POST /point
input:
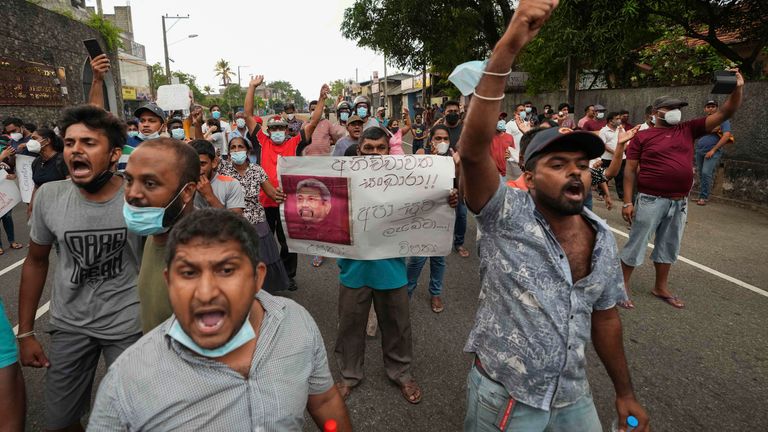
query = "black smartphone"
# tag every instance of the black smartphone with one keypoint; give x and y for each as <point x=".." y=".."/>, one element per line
<point x="725" y="82"/>
<point x="93" y="47"/>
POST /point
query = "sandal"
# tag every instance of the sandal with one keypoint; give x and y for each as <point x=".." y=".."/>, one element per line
<point x="463" y="252"/>
<point x="437" y="304"/>
<point x="626" y="304"/>
<point x="2" y="252"/>
<point x="15" y="245"/>
<point x="317" y="261"/>
<point x="344" y="390"/>
<point x="411" y="392"/>
<point x="701" y="202"/>
<point x="673" y="300"/>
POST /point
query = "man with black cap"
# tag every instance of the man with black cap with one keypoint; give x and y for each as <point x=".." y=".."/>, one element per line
<point x="708" y="152"/>
<point x="548" y="270"/>
<point x="660" y="162"/>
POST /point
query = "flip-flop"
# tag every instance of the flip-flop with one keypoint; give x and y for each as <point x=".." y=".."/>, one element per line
<point x="2" y="252"/>
<point x="411" y="392"/>
<point x="701" y="202"/>
<point x="673" y="301"/>
<point x="462" y="251"/>
<point x="15" y="245"/>
<point x="437" y="304"/>
<point x="317" y="261"/>
<point x="626" y="304"/>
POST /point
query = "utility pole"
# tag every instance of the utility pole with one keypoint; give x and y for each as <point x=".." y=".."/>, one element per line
<point x="385" y="82"/>
<point x="571" y="89"/>
<point x="238" y="74"/>
<point x="165" y="45"/>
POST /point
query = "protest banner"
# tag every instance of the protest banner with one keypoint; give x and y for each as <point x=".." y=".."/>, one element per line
<point x="24" y="175"/>
<point x="9" y="194"/>
<point x="367" y="207"/>
<point x="173" y="97"/>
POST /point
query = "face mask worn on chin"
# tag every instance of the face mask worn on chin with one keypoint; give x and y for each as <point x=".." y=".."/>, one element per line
<point x="240" y="123"/>
<point x="97" y="183"/>
<point x="34" y="146"/>
<point x="216" y="115"/>
<point x="243" y="336"/>
<point x="153" y="135"/>
<point x="501" y="125"/>
<point x="133" y="133"/>
<point x="344" y="116"/>
<point x="362" y="112"/>
<point x="178" y="134"/>
<point x="16" y="136"/>
<point x="146" y="221"/>
<point x="442" y="147"/>
<point x="600" y="115"/>
<point x="277" y="136"/>
<point x="673" y="117"/>
<point x="239" y="157"/>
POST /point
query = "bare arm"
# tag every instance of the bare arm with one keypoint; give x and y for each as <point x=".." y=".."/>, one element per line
<point x="406" y="121"/>
<point x="630" y="173"/>
<point x="100" y="66"/>
<point x="624" y="137"/>
<point x="479" y="125"/>
<point x="317" y="114"/>
<point x="729" y="106"/>
<point x="329" y="406"/>
<point x="723" y="141"/>
<point x="248" y="108"/>
<point x="607" y="340"/>
<point x="197" y="122"/>
<point x="276" y="195"/>
<point x="33" y="275"/>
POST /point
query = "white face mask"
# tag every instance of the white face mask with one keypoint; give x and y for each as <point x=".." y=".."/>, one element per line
<point x="673" y="117"/>
<point x="34" y="146"/>
<point x="442" y="147"/>
<point x="600" y="115"/>
<point x="240" y="123"/>
<point x="153" y="135"/>
<point x="16" y="136"/>
<point x="291" y="116"/>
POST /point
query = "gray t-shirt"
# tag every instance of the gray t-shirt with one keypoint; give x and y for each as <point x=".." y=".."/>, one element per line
<point x="342" y="145"/>
<point x="94" y="290"/>
<point x="227" y="189"/>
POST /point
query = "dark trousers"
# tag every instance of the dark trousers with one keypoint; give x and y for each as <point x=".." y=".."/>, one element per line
<point x="393" y="314"/>
<point x="8" y="227"/>
<point x="619" y="179"/>
<point x="290" y="260"/>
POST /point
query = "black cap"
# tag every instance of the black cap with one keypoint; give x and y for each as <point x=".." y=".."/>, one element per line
<point x="711" y="102"/>
<point x="669" y="102"/>
<point x="151" y="107"/>
<point x="175" y="120"/>
<point x="599" y="107"/>
<point x="567" y="139"/>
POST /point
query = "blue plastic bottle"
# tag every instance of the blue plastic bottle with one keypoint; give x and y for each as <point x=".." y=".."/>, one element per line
<point x="631" y="424"/>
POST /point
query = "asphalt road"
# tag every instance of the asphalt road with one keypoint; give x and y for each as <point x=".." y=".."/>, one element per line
<point x="704" y="368"/>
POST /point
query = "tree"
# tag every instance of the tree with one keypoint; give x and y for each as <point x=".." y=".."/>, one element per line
<point x="337" y="87"/>
<point x="284" y="93"/>
<point x="224" y="70"/>
<point x="208" y="90"/>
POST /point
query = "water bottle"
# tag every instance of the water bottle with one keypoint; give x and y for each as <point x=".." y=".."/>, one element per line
<point x="631" y="424"/>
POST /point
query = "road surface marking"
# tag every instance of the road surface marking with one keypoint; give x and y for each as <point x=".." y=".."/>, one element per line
<point x="707" y="269"/>
<point x="12" y="266"/>
<point x="40" y="312"/>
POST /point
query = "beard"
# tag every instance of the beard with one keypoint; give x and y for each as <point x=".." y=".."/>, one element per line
<point x="561" y="204"/>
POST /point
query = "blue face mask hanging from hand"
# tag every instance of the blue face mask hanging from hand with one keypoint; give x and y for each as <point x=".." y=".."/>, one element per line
<point x="467" y="75"/>
<point x="146" y="221"/>
<point x="243" y="336"/>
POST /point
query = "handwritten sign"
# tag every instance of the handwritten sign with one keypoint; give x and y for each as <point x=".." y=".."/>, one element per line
<point x="24" y="174"/>
<point x="367" y="207"/>
<point x="9" y="194"/>
<point x="173" y="97"/>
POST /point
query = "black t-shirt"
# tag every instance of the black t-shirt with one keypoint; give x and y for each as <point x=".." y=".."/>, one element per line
<point x="454" y="133"/>
<point x="47" y="171"/>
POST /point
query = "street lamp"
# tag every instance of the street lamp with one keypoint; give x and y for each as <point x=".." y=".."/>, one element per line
<point x="182" y="40"/>
<point x="238" y="74"/>
<point x="165" y="43"/>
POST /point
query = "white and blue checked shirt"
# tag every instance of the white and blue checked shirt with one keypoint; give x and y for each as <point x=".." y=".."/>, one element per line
<point x="157" y="384"/>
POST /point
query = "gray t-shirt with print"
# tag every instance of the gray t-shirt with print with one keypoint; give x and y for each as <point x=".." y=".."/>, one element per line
<point x="227" y="189"/>
<point x="94" y="290"/>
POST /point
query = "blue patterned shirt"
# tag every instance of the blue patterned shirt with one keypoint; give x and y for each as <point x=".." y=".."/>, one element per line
<point x="533" y="321"/>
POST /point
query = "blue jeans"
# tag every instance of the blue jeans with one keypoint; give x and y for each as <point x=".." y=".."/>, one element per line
<point x="436" y="273"/>
<point x="487" y="399"/>
<point x="8" y="226"/>
<point x="706" y="169"/>
<point x="460" y="226"/>
<point x="665" y="219"/>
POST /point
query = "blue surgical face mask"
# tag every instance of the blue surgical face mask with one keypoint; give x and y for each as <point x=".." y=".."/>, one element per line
<point x="239" y="157"/>
<point x="528" y="109"/>
<point x="216" y="115"/>
<point x="153" y="135"/>
<point x="467" y="75"/>
<point x="523" y="115"/>
<point x="501" y="125"/>
<point x="242" y="337"/>
<point x="240" y="123"/>
<point x="178" y="134"/>
<point x="146" y="221"/>
<point x="277" y="136"/>
<point x="343" y="116"/>
<point x="362" y="112"/>
<point x="133" y="133"/>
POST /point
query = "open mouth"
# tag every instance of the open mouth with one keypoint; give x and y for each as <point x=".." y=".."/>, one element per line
<point x="80" y="168"/>
<point x="574" y="191"/>
<point x="305" y="212"/>
<point x="210" y="321"/>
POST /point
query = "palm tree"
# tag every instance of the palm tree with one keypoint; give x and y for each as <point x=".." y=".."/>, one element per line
<point x="208" y="90"/>
<point x="224" y="70"/>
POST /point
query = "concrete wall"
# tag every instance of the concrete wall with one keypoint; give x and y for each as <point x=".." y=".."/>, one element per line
<point x="743" y="175"/>
<point x="56" y="41"/>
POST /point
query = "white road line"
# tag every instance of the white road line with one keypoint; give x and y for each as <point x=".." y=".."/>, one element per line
<point x="709" y="270"/>
<point x="40" y="312"/>
<point x="12" y="266"/>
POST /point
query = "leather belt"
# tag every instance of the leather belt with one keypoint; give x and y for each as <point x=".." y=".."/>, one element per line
<point x="479" y="367"/>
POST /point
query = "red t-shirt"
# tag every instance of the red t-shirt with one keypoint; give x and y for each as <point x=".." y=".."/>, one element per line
<point x="594" y="125"/>
<point x="665" y="156"/>
<point x="269" y="154"/>
<point x="501" y="142"/>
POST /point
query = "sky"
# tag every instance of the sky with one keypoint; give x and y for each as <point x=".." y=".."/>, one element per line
<point x="292" y="40"/>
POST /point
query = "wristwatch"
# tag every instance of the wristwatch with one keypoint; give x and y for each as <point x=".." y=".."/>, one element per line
<point x="626" y="205"/>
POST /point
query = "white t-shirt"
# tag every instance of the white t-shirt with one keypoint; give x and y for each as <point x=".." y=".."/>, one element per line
<point x="219" y="139"/>
<point x="610" y="138"/>
<point x="513" y="130"/>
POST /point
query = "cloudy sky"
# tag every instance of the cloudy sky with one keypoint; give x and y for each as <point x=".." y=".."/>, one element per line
<point x="297" y="40"/>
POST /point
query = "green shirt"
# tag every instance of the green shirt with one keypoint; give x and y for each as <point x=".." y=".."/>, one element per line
<point x="382" y="274"/>
<point x="153" y="292"/>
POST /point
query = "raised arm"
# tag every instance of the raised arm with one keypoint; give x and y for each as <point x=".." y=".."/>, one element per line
<point x="100" y="66"/>
<point x="317" y="114"/>
<point x="731" y="104"/>
<point x="250" y="123"/>
<point x="479" y="125"/>
<point x="406" y="122"/>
